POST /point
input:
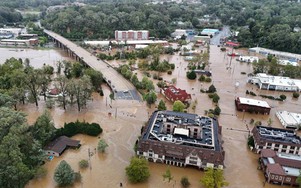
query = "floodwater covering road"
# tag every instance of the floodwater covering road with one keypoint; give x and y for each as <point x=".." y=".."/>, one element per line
<point x="123" y="127"/>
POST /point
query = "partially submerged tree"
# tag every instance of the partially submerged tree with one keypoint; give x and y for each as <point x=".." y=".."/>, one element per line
<point x="214" y="178"/>
<point x="161" y="105"/>
<point x="167" y="175"/>
<point x="138" y="170"/>
<point x="178" y="106"/>
<point x="63" y="174"/>
<point x="102" y="145"/>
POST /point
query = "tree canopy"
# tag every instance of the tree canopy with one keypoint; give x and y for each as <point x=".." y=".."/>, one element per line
<point x="178" y="106"/>
<point x="63" y="174"/>
<point x="138" y="170"/>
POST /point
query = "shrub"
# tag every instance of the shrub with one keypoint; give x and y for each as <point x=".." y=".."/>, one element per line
<point x="191" y="75"/>
<point x="185" y="182"/>
<point x="211" y="89"/>
<point x="282" y="97"/>
<point x="217" y="111"/>
<point x="223" y="49"/>
<point x="296" y="95"/>
<point x="172" y="66"/>
<point x="83" y="164"/>
<point x="243" y="73"/>
<point x="73" y="128"/>
<point x="202" y="78"/>
<point x="169" y="72"/>
<point x="252" y="93"/>
<point x="215" y="98"/>
<point x="247" y="92"/>
<point x="208" y="79"/>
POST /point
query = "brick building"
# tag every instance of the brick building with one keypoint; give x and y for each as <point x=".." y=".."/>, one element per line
<point x="252" y="105"/>
<point x="280" y="140"/>
<point x="131" y="35"/>
<point x="182" y="139"/>
<point x="280" y="168"/>
<point x="173" y="94"/>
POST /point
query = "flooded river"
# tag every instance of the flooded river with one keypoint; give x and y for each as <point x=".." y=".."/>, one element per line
<point x="123" y="127"/>
<point x="37" y="57"/>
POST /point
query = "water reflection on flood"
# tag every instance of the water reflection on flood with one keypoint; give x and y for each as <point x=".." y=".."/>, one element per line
<point x="123" y="127"/>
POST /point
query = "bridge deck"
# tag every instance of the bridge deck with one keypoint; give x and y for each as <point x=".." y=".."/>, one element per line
<point x="123" y="88"/>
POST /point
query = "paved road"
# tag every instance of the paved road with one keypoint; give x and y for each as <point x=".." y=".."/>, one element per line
<point x="223" y="33"/>
<point x="122" y="88"/>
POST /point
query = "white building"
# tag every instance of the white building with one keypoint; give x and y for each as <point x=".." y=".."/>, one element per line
<point x="279" y="83"/>
<point x="248" y="59"/>
<point x="210" y="32"/>
<point x="278" y="54"/>
<point x="131" y="42"/>
<point x="179" y="33"/>
<point x="288" y="62"/>
<point x="131" y="35"/>
<point x="289" y="119"/>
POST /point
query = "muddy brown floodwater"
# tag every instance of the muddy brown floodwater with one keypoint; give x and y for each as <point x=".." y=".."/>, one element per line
<point x="123" y="127"/>
<point x="37" y="57"/>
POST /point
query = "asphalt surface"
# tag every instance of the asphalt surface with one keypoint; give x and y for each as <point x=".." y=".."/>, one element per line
<point x="215" y="40"/>
<point x="122" y="88"/>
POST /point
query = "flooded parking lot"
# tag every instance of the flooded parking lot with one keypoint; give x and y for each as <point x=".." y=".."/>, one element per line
<point x="122" y="128"/>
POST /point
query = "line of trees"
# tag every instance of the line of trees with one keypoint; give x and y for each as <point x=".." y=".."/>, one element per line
<point x="101" y="20"/>
<point x="23" y="83"/>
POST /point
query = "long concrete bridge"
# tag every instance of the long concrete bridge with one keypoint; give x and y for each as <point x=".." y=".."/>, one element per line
<point x="122" y="88"/>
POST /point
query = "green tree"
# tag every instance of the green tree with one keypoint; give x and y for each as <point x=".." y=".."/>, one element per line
<point x="63" y="174"/>
<point x="77" y="70"/>
<point x="185" y="182"/>
<point x="33" y="79"/>
<point x="61" y="83"/>
<point x="178" y="106"/>
<point x="167" y="175"/>
<point x="79" y="91"/>
<point x="191" y="75"/>
<point x="96" y="78"/>
<point x="138" y="170"/>
<point x="211" y="89"/>
<point x="215" y="98"/>
<point x="214" y="178"/>
<point x="102" y="145"/>
<point x="161" y="105"/>
<point x="150" y="97"/>
<point x="43" y="130"/>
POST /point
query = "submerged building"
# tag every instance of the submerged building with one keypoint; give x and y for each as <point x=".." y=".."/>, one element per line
<point x="280" y="140"/>
<point x="252" y="105"/>
<point x="289" y="119"/>
<point x="280" y="168"/>
<point x="279" y="83"/>
<point x="182" y="139"/>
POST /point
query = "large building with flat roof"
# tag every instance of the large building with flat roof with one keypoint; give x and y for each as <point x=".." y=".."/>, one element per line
<point x="280" y="168"/>
<point x="280" y="140"/>
<point x="289" y="119"/>
<point x="252" y="105"/>
<point x="279" y="83"/>
<point x="182" y="139"/>
<point x="278" y="54"/>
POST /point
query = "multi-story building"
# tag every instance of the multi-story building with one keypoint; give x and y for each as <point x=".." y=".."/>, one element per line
<point x="289" y="119"/>
<point x="269" y="82"/>
<point x="280" y="168"/>
<point x="182" y="139"/>
<point x="173" y="94"/>
<point x="252" y="105"/>
<point x="280" y="140"/>
<point x="131" y="35"/>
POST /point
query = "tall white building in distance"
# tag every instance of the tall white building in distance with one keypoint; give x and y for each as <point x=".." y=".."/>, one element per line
<point x="131" y="35"/>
